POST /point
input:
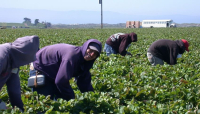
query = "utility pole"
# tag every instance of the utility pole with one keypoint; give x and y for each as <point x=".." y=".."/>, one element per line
<point x="100" y="2"/>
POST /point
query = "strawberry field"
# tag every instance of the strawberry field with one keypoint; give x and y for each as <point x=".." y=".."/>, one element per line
<point x="123" y="85"/>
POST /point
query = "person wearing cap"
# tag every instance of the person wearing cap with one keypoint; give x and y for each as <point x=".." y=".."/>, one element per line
<point x="61" y="62"/>
<point x="165" y="50"/>
<point x="118" y="43"/>
<point x="13" y="55"/>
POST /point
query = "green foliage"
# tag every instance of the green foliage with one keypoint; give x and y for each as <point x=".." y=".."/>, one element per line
<point x="125" y="85"/>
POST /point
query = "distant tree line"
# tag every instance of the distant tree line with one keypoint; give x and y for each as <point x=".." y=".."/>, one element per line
<point x="27" y="22"/>
<point x="91" y="25"/>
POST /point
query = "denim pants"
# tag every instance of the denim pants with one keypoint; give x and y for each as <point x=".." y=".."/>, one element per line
<point x="109" y="50"/>
<point x="48" y="89"/>
<point x="154" y="60"/>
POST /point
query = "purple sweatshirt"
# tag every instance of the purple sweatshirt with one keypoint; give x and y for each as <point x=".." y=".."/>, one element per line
<point x="13" y="55"/>
<point x="61" y="62"/>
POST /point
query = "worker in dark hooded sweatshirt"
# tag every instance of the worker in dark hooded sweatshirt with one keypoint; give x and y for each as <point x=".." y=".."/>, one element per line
<point x="118" y="43"/>
<point x="13" y="55"/>
<point x="61" y="62"/>
<point x="165" y="50"/>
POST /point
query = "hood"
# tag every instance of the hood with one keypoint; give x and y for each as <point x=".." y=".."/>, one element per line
<point x="133" y="37"/>
<point x="23" y="50"/>
<point x="86" y="44"/>
<point x="89" y="64"/>
<point x="181" y="46"/>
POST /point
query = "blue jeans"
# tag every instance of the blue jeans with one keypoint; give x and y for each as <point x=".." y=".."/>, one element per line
<point x="48" y="89"/>
<point x="109" y="50"/>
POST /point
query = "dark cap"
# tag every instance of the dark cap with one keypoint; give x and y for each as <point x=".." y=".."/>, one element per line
<point x="95" y="46"/>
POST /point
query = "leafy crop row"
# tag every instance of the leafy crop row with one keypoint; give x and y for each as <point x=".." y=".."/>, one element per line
<point x="124" y="85"/>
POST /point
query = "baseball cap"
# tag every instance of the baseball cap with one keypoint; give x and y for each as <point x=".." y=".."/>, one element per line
<point x="95" y="46"/>
<point x="186" y="44"/>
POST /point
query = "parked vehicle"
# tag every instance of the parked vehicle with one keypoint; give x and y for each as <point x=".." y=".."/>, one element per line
<point x="158" y="23"/>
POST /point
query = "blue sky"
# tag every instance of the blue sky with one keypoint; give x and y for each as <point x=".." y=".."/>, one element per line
<point x="130" y="7"/>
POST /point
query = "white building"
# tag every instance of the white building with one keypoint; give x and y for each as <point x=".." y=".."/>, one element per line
<point x="158" y="23"/>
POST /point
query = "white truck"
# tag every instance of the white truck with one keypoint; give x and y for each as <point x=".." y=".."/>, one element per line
<point x="158" y="23"/>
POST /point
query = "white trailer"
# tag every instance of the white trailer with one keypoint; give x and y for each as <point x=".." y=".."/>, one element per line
<point x="158" y="23"/>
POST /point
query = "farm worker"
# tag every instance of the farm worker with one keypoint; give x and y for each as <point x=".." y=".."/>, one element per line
<point x="13" y="55"/>
<point x="118" y="43"/>
<point x="60" y="62"/>
<point x="166" y="50"/>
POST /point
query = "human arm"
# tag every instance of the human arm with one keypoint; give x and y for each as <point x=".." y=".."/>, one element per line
<point x="123" y="46"/>
<point x="63" y="76"/>
<point x="128" y="53"/>
<point x="173" y="56"/>
<point x="84" y="82"/>
<point x="14" y="91"/>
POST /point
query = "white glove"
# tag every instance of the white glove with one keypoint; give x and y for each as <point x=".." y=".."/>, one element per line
<point x="3" y="106"/>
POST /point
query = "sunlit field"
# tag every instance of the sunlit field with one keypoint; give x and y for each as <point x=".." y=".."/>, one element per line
<point x="123" y="85"/>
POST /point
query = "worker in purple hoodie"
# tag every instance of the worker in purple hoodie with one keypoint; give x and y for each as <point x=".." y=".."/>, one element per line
<point x="164" y="50"/>
<point x="13" y="55"/>
<point x="119" y="43"/>
<point x="60" y="62"/>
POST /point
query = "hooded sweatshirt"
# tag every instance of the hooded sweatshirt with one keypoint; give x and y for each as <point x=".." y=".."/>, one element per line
<point x="61" y="62"/>
<point x="167" y="50"/>
<point x="119" y="42"/>
<point x="13" y="55"/>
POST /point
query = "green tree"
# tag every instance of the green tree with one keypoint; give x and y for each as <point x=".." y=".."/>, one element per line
<point x="27" y="21"/>
<point x="36" y="21"/>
